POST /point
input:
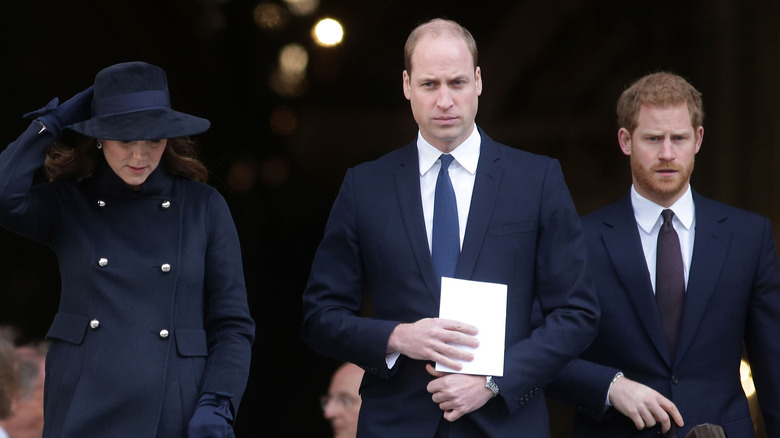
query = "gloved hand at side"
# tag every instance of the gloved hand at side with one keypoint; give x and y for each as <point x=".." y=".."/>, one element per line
<point x="212" y="417"/>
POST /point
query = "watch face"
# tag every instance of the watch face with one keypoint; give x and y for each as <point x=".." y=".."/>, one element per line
<point x="491" y="385"/>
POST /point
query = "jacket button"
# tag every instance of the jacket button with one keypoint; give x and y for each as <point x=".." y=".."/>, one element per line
<point x="103" y="262"/>
<point x="164" y="334"/>
<point x="94" y="324"/>
<point x="165" y="204"/>
<point x="675" y="380"/>
<point x="101" y="203"/>
<point x="165" y="268"/>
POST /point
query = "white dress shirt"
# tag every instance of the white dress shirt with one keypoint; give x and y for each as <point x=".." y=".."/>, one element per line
<point x="463" y="172"/>
<point x="649" y="221"/>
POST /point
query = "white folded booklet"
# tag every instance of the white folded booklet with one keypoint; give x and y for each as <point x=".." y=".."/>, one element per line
<point x="482" y="305"/>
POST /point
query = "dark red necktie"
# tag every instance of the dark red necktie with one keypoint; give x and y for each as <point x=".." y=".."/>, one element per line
<point x="669" y="281"/>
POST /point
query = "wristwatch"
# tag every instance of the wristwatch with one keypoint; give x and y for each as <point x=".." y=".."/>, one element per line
<point x="491" y="385"/>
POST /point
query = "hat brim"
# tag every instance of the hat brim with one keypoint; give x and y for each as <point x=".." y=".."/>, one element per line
<point x="152" y="124"/>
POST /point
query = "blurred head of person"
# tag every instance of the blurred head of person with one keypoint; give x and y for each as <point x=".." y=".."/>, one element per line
<point x="341" y="405"/>
<point x="26" y="420"/>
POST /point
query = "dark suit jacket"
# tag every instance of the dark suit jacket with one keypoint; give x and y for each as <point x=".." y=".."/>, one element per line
<point x="522" y="231"/>
<point x="163" y="318"/>
<point x="732" y="299"/>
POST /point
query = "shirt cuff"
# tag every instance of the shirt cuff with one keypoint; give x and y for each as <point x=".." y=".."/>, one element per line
<point x="391" y="358"/>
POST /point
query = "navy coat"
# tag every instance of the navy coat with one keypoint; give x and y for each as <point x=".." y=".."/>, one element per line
<point x="153" y="308"/>
<point x="522" y="231"/>
<point x="732" y="300"/>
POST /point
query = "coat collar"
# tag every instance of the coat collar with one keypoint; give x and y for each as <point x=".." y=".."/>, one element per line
<point x="621" y="240"/>
<point x="709" y="254"/>
<point x="107" y="182"/>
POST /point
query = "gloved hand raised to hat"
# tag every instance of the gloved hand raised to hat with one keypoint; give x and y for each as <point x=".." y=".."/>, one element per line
<point x="54" y="116"/>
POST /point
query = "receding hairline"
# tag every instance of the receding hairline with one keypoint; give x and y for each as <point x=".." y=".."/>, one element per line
<point x="438" y="28"/>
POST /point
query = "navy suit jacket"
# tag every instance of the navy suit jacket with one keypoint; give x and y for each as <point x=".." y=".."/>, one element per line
<point x="522" y="231"/>
<point x="732" y="299"/>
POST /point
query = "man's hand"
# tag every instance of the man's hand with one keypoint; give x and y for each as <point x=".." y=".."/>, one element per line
<point x="643" y="405"/>
<point x="434" y="339"/>
<point x="457" y="394"/>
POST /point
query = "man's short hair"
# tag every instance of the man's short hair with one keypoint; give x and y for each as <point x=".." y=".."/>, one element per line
<point x="436" y="28"/>
<point x="661" y="90"/>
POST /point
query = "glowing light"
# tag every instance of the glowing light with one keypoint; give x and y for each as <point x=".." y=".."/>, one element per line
<point x="283" y="121"/>
<point x="269" y="16"/>
<point x="242" y="175"/>
<point x="293" y="59"/>
<point x="275" y="171"/>
<point x="290" y="78"/>
<point x="328" y="32"/>
<point x="747" y="379"/>
<point x="287" y="84"/>
<point x="302" y="7"/>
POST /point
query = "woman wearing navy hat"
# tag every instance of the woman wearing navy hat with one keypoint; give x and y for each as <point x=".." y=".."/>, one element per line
<point x="153" y="334"/>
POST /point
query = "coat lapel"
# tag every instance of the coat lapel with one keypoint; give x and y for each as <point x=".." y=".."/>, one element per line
<point x="624" y="247"/>
<point x="709" y="253"/>
<point x="407" y="182"/>
<point x="483" y="199"/>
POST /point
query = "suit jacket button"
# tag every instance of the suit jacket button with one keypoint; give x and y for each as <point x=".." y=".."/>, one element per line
<point x="675" y="380"/>
<point x="165" y="268"/>
<point x="103" y="262"/>
<point x="101" y="203"/>
<point x="164" y="334"/>
<point x="165" y="205"/>
<point x="94" y="324"/>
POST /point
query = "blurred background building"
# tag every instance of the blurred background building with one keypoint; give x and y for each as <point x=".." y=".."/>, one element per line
<point x="292" y="109"/>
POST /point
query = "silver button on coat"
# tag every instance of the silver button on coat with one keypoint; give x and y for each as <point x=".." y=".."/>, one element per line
<point x="164" y="333"/>
<point x="103" y="261"/>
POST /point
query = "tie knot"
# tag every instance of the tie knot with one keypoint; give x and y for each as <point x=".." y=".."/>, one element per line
<point x="446" y="160"/>
<point x="667" y="215"/>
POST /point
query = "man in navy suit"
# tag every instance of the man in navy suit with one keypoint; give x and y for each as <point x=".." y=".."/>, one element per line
<point x="517" y="226"/>
<point x="632" y="381"/>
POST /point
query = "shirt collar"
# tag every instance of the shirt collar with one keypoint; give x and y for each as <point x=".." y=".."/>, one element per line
<point x="466" y="154"/>
<point x="647" y="212"/>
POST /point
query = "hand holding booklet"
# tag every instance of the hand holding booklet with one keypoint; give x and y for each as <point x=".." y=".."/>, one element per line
<point x="482" y="305"/>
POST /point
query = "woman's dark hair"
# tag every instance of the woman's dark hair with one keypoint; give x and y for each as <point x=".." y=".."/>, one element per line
<point x="79" y="161"/>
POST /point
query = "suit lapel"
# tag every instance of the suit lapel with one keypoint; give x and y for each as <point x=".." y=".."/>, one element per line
<point x="709" y="252"/>
<point x="407" y="181"/>
<point x="621" y="239"/>
<point x="483" y="199"/>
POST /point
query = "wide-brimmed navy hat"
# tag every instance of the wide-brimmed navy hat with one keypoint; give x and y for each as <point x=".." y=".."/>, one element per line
<point x="131" y="102"/>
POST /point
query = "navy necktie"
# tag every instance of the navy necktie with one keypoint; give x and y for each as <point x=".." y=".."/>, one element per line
<point x="669" y="281"/>
<point x="445" y="242"/>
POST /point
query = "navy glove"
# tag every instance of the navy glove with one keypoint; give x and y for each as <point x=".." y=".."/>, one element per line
<point x="54" y="116"/>
<point x="212" y="418"/>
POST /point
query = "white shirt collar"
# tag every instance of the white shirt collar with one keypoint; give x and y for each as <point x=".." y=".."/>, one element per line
<point x="466" y="154"/>
<point x="647" y="212"/>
